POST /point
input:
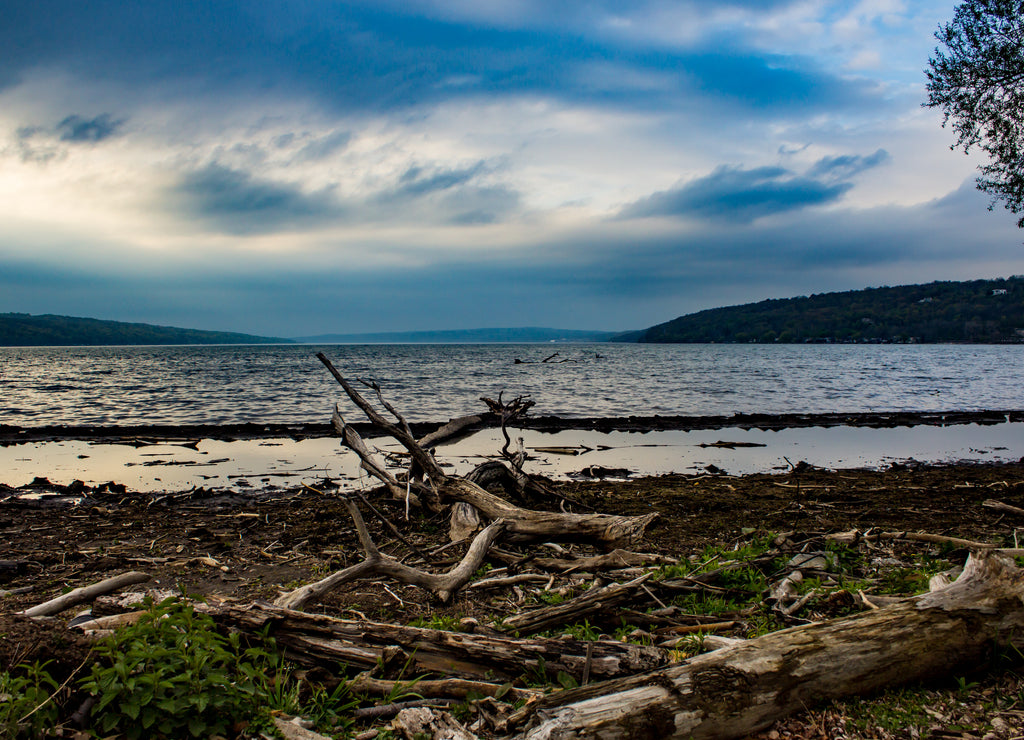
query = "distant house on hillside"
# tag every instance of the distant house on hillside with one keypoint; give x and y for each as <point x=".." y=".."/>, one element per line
<point x="999" y="291"/>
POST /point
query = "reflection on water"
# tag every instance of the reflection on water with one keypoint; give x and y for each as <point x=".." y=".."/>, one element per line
<point x="276" y="463"/>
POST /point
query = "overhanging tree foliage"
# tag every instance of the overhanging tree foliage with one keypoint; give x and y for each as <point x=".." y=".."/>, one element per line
<point x="977" y="78"/>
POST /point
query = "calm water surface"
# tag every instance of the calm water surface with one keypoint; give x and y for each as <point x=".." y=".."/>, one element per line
<point x="287" y="384"/>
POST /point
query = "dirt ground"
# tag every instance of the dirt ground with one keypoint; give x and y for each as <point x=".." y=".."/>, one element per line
<point x="243" y="547"/>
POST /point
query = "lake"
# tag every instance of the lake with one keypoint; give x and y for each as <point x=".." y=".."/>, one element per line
<point x="287" y="384"/>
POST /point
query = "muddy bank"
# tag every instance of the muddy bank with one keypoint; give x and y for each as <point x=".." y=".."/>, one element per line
<point x="244" y="546"/>
<point x="12" y="434"/>
<point x="260" y="542"/>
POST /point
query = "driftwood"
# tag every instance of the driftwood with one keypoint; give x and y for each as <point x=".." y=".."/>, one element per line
<point x="568" y="612"/>
<point x="86" y="593"/>
<point x="322" y="640"/>
<point x="854" y="536"/>
<point x="1000" y="506"/>
<point x="608" y="561"/>
<point x="605" y="530"/>
<point x="449" y="688"/>
<point x="291" y="730"/>
<point x="739" y="690"/>
<point x="422" y="722"/>
<point x="443" y="585"/>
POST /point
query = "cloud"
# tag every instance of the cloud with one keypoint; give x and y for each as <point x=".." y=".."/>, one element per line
<point x="240" y="203"/>
<point x="365" y="57"/>
<point x="324" y="147"/>
<point x="846" y="166"/>
<point x="447" y="195"/>
<point x="414" y="181"/>
<point x="77" y="129"/>
<point x="733" y="194"/>
<point x="43" y="144"/>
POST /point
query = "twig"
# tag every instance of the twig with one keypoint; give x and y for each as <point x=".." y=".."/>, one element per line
<point x="389" y="710"/>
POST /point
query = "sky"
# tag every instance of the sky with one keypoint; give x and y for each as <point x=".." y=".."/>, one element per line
<point x="299" y="167"/>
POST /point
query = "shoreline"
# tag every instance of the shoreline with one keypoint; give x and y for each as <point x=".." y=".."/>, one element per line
<point x="13" y="434"/>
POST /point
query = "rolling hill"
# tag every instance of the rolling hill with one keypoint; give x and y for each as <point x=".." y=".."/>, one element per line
<point x="25" y="330"/>
<point x="975" y="311"/>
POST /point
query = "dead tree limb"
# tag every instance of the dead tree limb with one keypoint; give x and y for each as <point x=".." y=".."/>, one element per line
<point x="738" y="690"/>
<point x="443" y="585"/>
<point x="605" y="530"/>
<point x="573" y="610"/>
<point x="447" y="688"/>
<point x="316" y="639"/>
<point x="86" y="593"/>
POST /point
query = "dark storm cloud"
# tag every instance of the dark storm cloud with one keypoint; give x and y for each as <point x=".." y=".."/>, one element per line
<point x="75" y="128"/>
<point x="360" y="57"/>
<point x="239" y="203"/>
<point x="737" y="195"/>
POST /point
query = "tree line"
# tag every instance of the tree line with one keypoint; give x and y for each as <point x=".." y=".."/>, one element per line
<point x="976" y="311"/>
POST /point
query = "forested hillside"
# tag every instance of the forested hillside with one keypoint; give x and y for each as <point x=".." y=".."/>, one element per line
<point x="979" y="311"/>
<point x="25" y="330"/>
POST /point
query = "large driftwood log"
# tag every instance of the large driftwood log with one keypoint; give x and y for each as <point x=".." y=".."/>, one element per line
<point x="328" y="641"/>
<point x="738" y="690"/>
<point x="605" y="530"/>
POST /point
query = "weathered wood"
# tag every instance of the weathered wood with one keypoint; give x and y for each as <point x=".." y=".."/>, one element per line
<point x="854" y="536"/>
<point x="1000" y="506"/>
<point x="739" y="690"/>
<point x="449" y="688"/>
<point x="573" y="610"/>
<point x="443" y="585"/>
<point x="613" y="560"/>
<point x="322" y="640"/>
<point x="86" y="593"/>
<point x="423" y="723"/>
<point x="605" y="530"/>
<point x="291" y="730"/>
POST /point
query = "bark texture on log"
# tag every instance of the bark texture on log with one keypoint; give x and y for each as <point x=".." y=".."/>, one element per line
<point x="319" y="639"/>
<point x="739" y="690"/>
<point x="605" y="530"/>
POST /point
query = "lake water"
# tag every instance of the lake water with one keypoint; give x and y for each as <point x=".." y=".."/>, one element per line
<point x="287" y="384"/>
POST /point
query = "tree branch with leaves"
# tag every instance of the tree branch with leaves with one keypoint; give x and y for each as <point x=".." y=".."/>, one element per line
<point x="976" y="77"/>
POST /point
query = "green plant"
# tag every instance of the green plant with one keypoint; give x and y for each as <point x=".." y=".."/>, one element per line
<point x="25" y="706"/>
<point x="963" y="686"/>
<point x="171" y="673"/>
<point x="582" y="631"/>
<point x="446" y="622"/>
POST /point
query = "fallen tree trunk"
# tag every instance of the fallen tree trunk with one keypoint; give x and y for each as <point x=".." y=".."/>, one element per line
<point x="739" y="690"/>
<point x="323" y="640"/>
